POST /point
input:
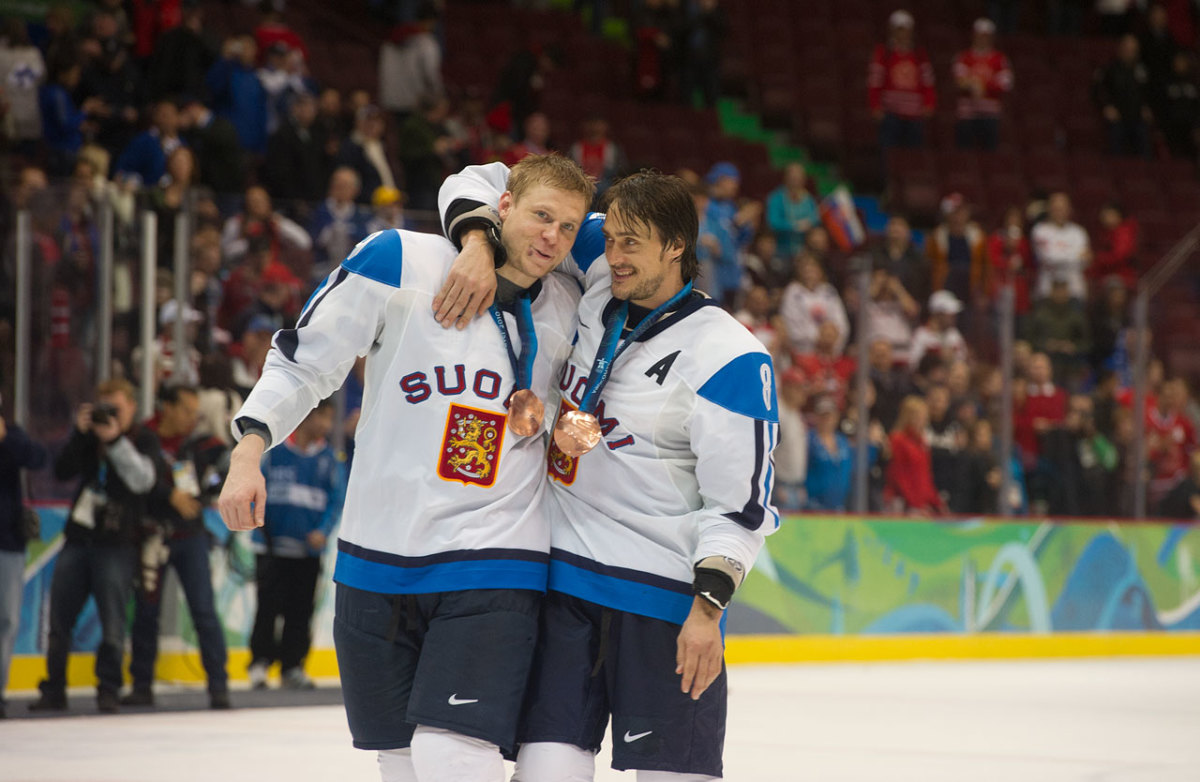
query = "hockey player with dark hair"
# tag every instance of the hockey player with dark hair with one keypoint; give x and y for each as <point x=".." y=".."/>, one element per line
<point x="442" y="553"/>
<point x="660" y="475"/>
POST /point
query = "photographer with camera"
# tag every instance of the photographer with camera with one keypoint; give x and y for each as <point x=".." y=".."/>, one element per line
<point x="117" y="461"/>
<point x="190" y="479"/>
<point x="18" y="451"/>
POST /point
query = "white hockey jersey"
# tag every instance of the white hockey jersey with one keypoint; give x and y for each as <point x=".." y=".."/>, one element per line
<point x="684" y="471"/>
<point x="442" y="495"/>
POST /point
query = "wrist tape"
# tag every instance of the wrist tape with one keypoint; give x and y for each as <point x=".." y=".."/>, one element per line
<point x="716" y="579"/>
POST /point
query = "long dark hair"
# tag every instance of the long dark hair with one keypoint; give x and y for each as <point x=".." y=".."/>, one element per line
<point x="663" y="202"/>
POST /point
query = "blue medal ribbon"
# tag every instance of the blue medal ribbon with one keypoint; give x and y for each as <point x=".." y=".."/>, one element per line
<point x="612" y="346"/>
<point x="522" y="365"/>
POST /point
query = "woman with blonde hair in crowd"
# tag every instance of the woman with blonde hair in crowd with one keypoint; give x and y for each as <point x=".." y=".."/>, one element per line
<point x="909" y="478"/>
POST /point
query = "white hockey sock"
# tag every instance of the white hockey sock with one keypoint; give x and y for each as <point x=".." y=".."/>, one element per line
<point x="396" y="765"/>
<point x="445" y="756"/>
<point x="554" y="762"/>
<point x="671" y="776"/>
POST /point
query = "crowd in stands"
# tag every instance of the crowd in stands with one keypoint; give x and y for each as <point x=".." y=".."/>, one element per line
<point x="930" y="320"/>
<point x="280" y="176"/>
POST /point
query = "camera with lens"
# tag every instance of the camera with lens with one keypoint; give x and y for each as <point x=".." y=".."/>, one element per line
<point x="103" y="412"/>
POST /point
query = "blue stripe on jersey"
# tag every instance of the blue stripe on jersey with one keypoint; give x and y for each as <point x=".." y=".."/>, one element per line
<point x="745" y="386"/>
<point x="589" y="242"/>
<point x="378" y="257"/>
<point x="670" y="604"/>
<point x="457" y="576"/>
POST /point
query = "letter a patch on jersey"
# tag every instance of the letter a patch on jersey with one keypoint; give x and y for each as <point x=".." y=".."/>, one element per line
<point x="559" y="466"/>
<point x="471" y="446"/>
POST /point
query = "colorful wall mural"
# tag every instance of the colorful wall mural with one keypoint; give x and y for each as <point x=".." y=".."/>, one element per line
<point x="873" y="576"/>
<point x="828" y="576"/>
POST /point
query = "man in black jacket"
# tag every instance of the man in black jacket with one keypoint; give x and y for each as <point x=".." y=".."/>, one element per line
<point x="118" y="464"/>
<point x="190" y="478"/>
<point x="298" y="166"/>
<point x="18" y="451"/>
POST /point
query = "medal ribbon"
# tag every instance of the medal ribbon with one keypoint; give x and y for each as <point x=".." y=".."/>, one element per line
<point x="522" y="365"/>
<point x="612" y="346"/>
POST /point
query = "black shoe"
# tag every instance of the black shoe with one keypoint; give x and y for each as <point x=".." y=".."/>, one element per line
<point x="138" y="697"/>
<point x="49" y="700"/>
<point x="219" y="701"/>
<point x="108" y="702"/>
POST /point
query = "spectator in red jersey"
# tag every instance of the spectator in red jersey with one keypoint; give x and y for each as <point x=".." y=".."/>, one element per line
<point x="1043" y="407"/>
<point x="272" y="30"/>
<point x="1122" y="91"/>
<point x="1116" y="247"/>
<point x="900" y="86"/>
<point x="1011" y="259"/>
<point x="809" y="301"/>
<point x="939" y="335"/>
<point x="597" y="154"/>
<point x="984" y="77"/>
<point x="826" y="370"/>
<point x="908" y="481"/>
<point x="1171" y="437"/>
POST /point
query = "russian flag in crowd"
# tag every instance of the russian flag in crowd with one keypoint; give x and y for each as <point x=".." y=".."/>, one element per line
<point x="841" y="219"/>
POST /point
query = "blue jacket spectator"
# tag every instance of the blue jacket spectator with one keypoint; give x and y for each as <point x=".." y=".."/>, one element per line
<point x="238" y="94"/>
<point x="307" y="485"/>
<point x="144" y="159"/>
<point x="62" y="119"/>
<point x="830" y="461"/>
<point x="338" y="223"/>
<point x="731" y="225"/>
<point x="791" y="211"/>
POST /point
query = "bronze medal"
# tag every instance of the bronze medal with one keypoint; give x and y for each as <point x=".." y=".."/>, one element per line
<point x="525" y="413"/>
<point x="577" y="433"/>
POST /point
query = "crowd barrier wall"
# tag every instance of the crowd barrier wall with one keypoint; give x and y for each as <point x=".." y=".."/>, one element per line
<point x="844" y="588"/>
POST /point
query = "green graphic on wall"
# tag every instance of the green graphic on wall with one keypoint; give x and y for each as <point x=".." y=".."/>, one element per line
<point x="856" y="576"/>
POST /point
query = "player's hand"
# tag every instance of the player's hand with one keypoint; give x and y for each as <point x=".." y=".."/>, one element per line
<point x="316" y="540"/>
<point x="470" y="287"/>
<point x="699" y="651"/>
<point x="244" y="498"/>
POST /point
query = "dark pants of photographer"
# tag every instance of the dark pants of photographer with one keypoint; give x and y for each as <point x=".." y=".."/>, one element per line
<point x="287" y="587"/>
<point x="189" y="558"/>
<point x="105" y="571"/>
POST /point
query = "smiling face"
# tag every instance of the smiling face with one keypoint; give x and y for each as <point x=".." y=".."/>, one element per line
<point x="538" y="230"/>
<point x="645" y="271"/>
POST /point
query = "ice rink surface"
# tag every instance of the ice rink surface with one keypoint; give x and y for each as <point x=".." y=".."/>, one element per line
<point x="1133" y="720"/>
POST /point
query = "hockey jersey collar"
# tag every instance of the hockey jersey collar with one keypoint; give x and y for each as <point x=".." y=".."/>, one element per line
<point x="695" y="301"/>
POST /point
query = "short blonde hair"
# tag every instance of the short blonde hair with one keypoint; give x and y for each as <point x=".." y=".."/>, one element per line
<point x="553" y="171"/>
<point x="910" y="408"/>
